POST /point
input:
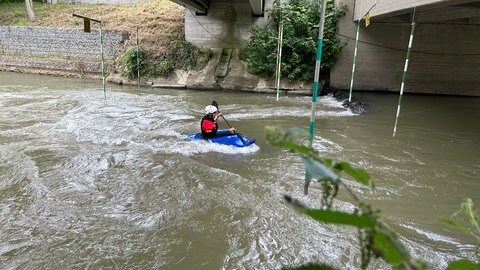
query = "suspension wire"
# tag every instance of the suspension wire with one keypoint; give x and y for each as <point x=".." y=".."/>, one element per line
<point x="403" y="50"/>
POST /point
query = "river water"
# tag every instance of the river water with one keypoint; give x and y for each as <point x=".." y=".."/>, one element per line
<point x="89" y="183"/>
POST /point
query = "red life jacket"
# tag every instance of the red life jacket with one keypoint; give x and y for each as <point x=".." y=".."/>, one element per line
<point x="208" y="127"/>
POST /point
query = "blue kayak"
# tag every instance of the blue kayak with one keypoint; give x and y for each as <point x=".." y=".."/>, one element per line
<point x="225" y="137"/>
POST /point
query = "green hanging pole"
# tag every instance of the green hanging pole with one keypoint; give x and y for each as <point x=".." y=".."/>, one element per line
<point x="367" y="23"/>
<point x="103" y="59"/>
<point x="354" y="61"/>
<point x="138" y="63"/>
<point x="317" y="70"/>
<point x="279" y="55"/>
<point x="315" y="85"/>
<point x="404" y="73"/>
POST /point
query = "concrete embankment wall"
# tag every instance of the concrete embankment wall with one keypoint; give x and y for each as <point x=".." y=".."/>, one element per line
<point x="57" y="50"/>
<point x="445" y="58"/>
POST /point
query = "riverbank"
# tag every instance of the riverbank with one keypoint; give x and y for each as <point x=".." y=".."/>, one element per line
<point x="160" y="24"/>
<point x="209" y="78"/>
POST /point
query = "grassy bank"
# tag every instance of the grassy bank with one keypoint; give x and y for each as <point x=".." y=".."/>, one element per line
<point x="160" y="22"/>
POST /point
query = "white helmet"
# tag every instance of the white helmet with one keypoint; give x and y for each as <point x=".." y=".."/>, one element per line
<point x="210" y="109"/>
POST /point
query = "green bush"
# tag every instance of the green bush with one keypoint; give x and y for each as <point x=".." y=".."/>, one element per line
<point x="162" y="68"/>
<point x="300" y="20"/>
<point x="131" y="63"/>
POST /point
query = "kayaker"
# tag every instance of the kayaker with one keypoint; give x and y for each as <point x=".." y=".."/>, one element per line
<point x="209" y="125"/>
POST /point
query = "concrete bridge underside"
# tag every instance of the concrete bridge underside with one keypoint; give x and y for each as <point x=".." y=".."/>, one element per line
<point x="202" y="7"/>
<point x="445" y="55"/>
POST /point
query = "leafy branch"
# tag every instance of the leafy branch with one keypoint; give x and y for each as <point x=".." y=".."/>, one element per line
<point x="376" y="238"/>
<point x="466" y="220"/>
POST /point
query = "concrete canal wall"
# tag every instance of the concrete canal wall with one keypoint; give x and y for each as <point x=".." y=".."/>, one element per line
<point x="57" y="50"/>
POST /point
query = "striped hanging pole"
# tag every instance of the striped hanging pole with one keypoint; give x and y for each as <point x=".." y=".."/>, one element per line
<point x="354" y="61"/>
<point x="138" y="63"/>
<point x="367" y="22"/>
<point x="317" y="70"/>
<point x="318" y="60"/>
<point x="102" y="59"/>
<point x="279" y="76"/>
<point x="276" y="64"/>
<point x="278" y="72"/>
<point x="404" y="73"/>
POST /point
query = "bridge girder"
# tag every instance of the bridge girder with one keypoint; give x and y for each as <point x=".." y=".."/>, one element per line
<point x="202" y="6"/>
<point x="199" y="6"/>
<point x="427" y="11"/>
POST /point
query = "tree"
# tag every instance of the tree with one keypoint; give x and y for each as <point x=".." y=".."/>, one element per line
<point x="30" y="13"/>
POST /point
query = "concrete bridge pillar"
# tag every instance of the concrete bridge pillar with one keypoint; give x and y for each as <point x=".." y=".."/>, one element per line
<point x="227" y="23"/>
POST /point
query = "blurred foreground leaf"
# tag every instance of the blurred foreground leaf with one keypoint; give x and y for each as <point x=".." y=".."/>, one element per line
<point x="463" y="264"/>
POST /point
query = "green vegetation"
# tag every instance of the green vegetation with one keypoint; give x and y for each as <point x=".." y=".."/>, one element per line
<point x="300" y="20"/>
<point x="226" y="55"/>
<point x="161" y="68"/>
<point x="467" y="220"/>
<point x="375" y="237"/>
<point x="179" y="55"/>
<point x="186" y="55"/>
<point x="132" y="64"/>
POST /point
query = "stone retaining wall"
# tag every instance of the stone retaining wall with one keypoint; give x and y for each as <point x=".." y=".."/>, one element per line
<point x="55" y="49"/>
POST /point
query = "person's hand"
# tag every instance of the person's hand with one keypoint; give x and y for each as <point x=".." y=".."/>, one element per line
<point x="219" y="114"/>
<point x="232" y="130"/>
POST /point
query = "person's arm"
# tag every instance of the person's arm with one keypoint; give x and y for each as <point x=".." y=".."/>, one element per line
<point x="232" y="129"/>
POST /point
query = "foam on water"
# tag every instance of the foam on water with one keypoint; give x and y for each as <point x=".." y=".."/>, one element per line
<point x="327" y="107"/>
<point x="195" y="147"/>
<point x="432" y="236"/>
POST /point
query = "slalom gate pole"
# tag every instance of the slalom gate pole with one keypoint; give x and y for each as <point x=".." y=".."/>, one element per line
<point x="354" y="61"/>
<point x="367" y="23"/>
<point x="280" y="59"/>
<point x="276" y="64"/>
<point x="318" y="60"/>
<point x="103" y="59"/>
<point x="138" y="64"/>
<point x="404" y="73"/>
<point x="278" y="72"/>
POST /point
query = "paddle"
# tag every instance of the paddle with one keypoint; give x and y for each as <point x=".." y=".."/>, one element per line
<point x="214" y="103"/>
